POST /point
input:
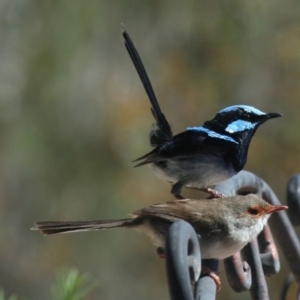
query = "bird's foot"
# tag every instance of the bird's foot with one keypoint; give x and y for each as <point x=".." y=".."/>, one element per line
<point x="213" y="192"/>
<point x="160" y="251"/>
<point x="214" y="275"/>
<point x="179" y="197"/>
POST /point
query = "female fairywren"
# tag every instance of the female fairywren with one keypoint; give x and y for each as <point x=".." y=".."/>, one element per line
<point x="224" y="225"/>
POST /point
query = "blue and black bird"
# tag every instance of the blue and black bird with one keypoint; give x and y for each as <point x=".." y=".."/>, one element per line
<point x="202" y="156"/>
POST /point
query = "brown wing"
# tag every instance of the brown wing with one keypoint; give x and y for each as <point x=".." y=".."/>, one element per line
<point x="174" y="210"/>
<point x="199" y="213"/>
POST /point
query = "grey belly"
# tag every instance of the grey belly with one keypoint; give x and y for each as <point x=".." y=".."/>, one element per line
<point x="193" y="172"/>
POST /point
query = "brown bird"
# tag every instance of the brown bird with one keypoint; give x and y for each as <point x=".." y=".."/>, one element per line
<point x="224" y="225"/>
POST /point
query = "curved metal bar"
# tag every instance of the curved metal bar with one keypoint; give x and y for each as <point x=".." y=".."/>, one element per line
<point x="286" y="286"/>
<point x="242" y="183"/>
<point x="269" y="254"/>
<point x="279" y="222"/>
<point x="183" y="260"/>
<point x="285" y="234"/>
<point x="259" y="288"/>
<point x="238" y="273"/>
<point x="293" y="199"/>
<point x="205" y="289"/>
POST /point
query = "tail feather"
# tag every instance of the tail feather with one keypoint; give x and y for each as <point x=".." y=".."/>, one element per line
<point x="56" y="227"/>
<point x="162" y="133"/>
<point x="148" y="158"/>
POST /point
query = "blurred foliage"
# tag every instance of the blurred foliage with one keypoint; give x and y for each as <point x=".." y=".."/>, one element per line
<point x="2" y="296"/>
<point x="73" y="115"/>
<point x="71" y="285"/>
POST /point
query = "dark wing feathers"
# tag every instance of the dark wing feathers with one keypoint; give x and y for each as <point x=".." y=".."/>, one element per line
<point x="184" y="145"/>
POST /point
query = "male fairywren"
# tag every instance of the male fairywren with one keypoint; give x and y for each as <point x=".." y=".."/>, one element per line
<point x="200" y="156"/>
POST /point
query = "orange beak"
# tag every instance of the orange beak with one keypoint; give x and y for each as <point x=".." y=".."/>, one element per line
<point x="275" y="208"/>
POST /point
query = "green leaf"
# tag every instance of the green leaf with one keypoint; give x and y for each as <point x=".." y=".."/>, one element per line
<point x="72" y="285"/>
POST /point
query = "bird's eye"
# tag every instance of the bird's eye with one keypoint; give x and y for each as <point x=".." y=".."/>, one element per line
<point x="246" y="115"/>
<point x="253" y="211"/>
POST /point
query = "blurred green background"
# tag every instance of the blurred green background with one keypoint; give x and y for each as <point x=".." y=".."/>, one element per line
<point x="73" y="115"/>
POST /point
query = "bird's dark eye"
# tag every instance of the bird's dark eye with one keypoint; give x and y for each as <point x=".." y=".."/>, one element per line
<point x="253" y="211"/>
<point x="245" y="115"/>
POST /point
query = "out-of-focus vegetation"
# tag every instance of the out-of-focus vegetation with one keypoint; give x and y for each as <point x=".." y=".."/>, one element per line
<point x="70" y="285"/>
<point x="73" y="115"/>
<point x="2" y="296"/>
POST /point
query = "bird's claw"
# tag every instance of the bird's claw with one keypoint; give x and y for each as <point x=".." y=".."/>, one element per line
<point x="212" y="274"/>
<point x="214" y="193"/>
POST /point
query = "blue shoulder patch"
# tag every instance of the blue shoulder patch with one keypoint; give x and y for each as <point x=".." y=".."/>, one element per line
<point x="213" y="134"/>
<point x="247" y="108"/>
<point x="239" y="125"/>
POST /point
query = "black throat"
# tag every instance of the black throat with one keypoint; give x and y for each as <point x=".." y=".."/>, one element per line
<point x="236" y="154"/>
<point x="239" y="153"/>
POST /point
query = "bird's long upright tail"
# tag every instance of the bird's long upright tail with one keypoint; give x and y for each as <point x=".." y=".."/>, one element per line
<point x="54" y="227"/>
<point x="162" y="133"/>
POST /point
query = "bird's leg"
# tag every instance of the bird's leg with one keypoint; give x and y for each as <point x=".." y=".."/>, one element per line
<point x="179" y="197"/>
<point x="176" y="190"/>
<point x="214" y="193"/>
<point x="212" y="274"/>
<point x="177" y="187"/>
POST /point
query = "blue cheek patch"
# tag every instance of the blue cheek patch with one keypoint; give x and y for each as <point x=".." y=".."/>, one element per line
<point x="240" y="125"/>
<point x="213" y="134"/>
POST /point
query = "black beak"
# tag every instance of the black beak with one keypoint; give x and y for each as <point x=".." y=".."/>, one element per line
<point x="273" y="115"/>
<point x="266" y="117"/>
